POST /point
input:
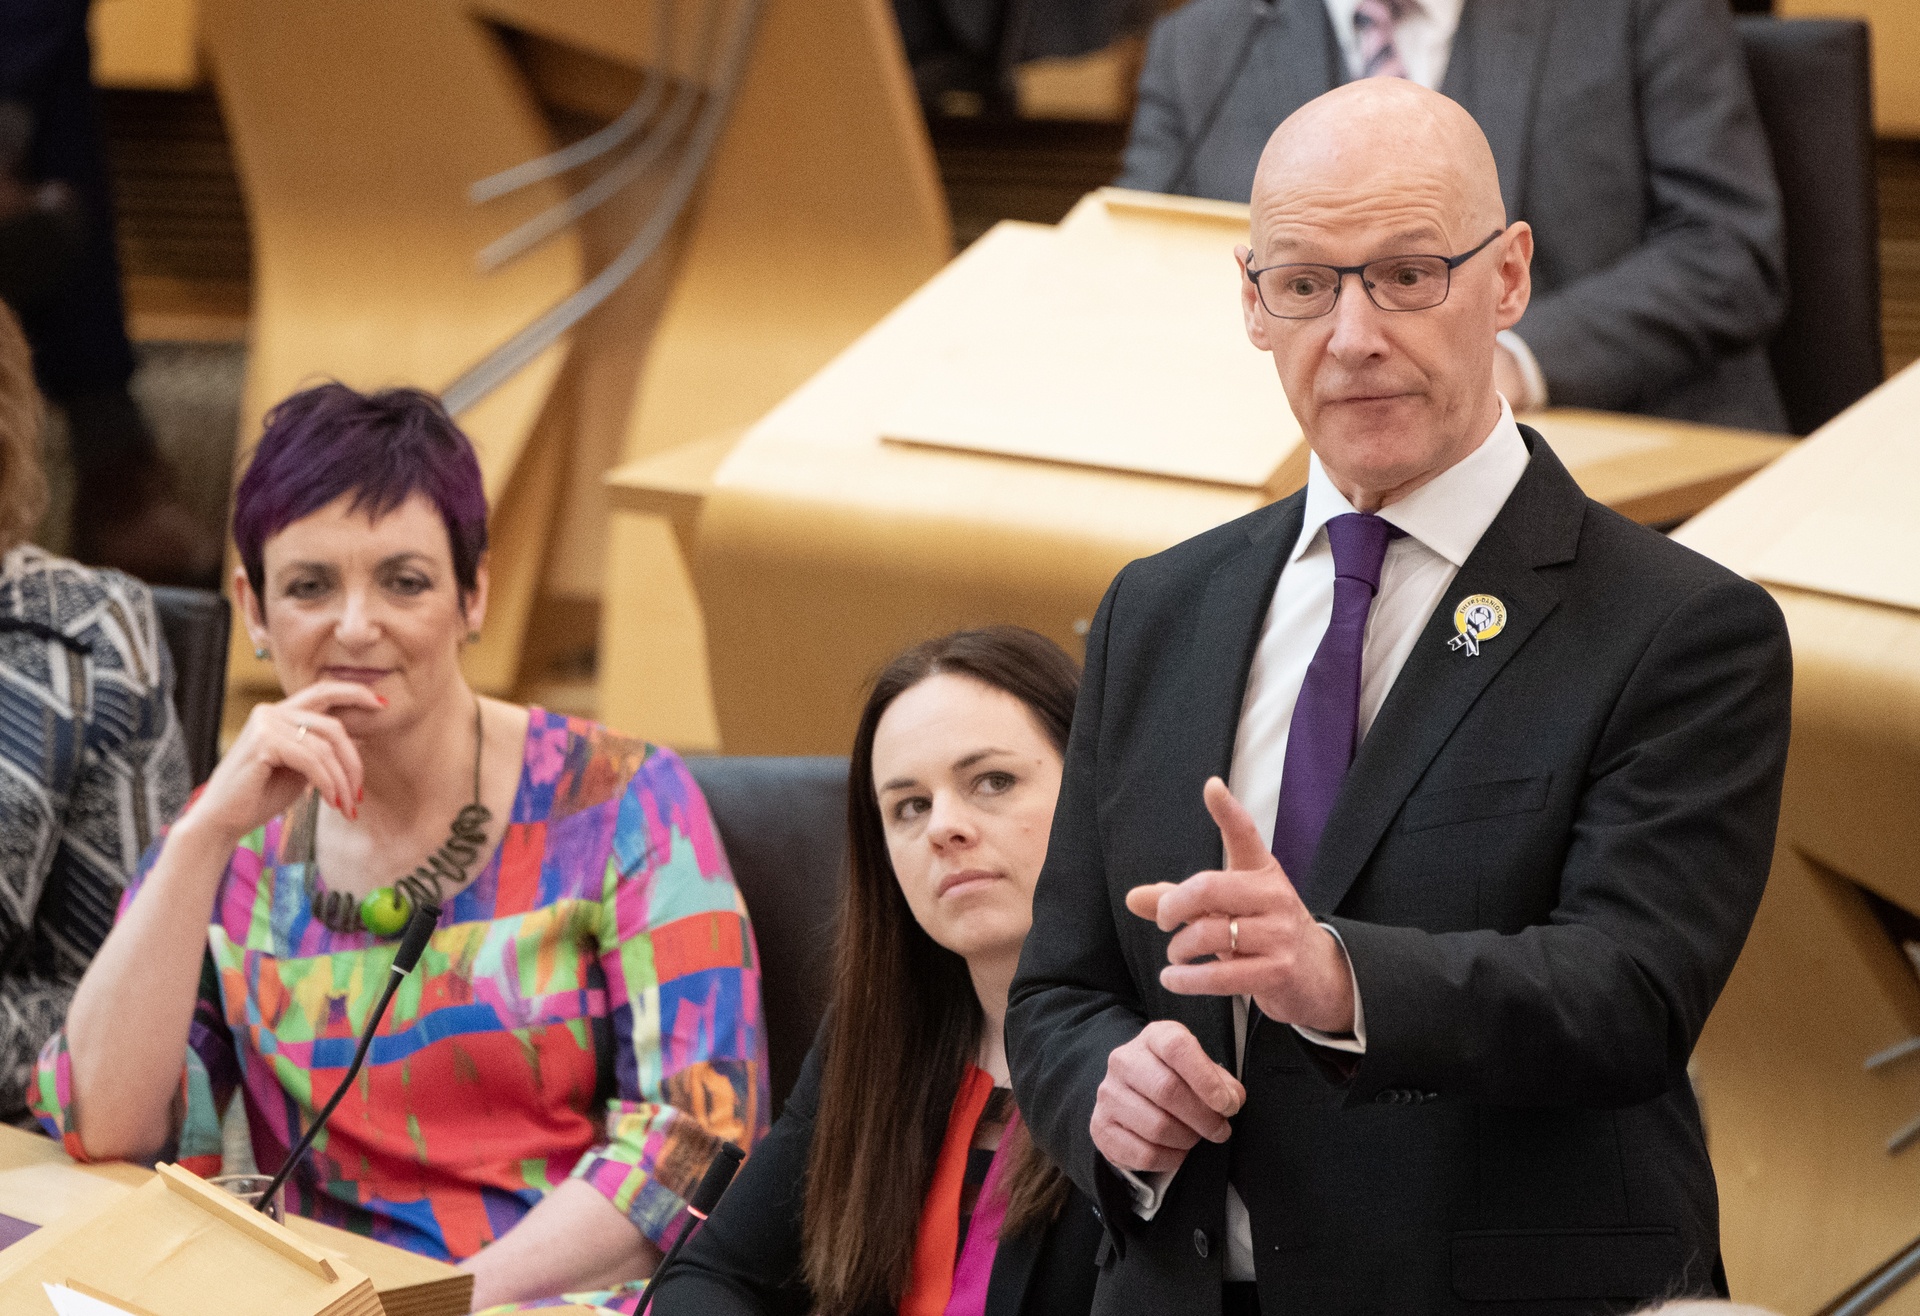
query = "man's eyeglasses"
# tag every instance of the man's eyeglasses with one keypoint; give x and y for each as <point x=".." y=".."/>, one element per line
<point x="1393" y="283"/>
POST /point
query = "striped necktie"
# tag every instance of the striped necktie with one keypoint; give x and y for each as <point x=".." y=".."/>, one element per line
<point x="1373" y="22"/>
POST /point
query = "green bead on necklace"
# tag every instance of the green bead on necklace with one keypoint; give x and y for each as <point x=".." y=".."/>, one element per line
<point x="385" y="912"/>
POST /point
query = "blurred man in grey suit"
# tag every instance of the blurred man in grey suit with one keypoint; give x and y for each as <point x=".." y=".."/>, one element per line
<point x="1625" y="134"/>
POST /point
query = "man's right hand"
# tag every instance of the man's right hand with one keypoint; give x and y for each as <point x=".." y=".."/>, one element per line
<point x="1162" y="1094"/>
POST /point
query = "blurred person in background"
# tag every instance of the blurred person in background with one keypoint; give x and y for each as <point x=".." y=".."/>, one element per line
<point x="963" y="52"/>
<point x="584" y="1026"/>
<point x="1625" y="135"/>
<point x="60" y="271"/>
<point x="92" y="761"/>
<point x="899" y="1176"/>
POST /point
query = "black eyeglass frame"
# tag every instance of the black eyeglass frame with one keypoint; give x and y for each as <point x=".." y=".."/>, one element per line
<point x="1340" y="273"/>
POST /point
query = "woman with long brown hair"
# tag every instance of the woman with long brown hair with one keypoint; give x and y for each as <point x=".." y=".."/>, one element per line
<point x="900" y="1178"/>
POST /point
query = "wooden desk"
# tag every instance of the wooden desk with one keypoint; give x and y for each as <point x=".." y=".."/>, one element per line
<point x="41" y="1184"/>
<point x="1816" y="1184"/>
<point x="1053" y="404"/>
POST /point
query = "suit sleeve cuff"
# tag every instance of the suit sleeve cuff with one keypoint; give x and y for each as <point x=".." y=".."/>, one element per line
<point x="1357" y="1041"/>
<point x="1149" y="1189"/>
<point x="1533" y="380"/>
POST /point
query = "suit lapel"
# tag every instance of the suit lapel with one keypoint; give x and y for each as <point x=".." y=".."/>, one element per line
<point x="1297" y="58"/>
<point x="1494" y="71"/>
<point x="1013" y="1263"/>
<point x="1226" y="632"/>
<point x="1539" y="526"/>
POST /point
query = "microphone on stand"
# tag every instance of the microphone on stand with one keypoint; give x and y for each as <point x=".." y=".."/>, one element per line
<point x="412" y="942"/>
<point x="706" y="1195"/>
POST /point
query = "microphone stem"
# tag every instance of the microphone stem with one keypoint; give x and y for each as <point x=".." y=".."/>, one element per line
<point x="265" y="1204"/>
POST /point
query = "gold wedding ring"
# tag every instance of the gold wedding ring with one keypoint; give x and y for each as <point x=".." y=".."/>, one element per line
<point x="1233" y="936"/>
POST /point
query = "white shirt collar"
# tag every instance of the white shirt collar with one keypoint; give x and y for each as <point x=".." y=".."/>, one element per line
<point x="1443" y="14"/>
<point x="1448" y="513"/>
<point x="1424" y="35"/>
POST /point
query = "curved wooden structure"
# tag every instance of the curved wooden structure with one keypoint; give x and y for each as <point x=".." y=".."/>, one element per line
<point x="1056" y="402"/>
<point x="822" y="211"/>
<point x="357" y="126"/>
<point x="1812" y="1193"/>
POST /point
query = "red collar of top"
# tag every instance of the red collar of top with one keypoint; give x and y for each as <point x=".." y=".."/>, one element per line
<point x="931" y="1285"/>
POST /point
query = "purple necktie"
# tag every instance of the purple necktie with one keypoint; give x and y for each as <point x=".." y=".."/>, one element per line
<point x="1326" y="719"/>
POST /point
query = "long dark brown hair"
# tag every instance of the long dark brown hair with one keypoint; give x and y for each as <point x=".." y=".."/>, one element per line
<point x="905" y="1023"/>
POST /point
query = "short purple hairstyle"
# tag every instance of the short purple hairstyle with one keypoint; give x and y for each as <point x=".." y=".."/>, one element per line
<point x="329" y="441"/>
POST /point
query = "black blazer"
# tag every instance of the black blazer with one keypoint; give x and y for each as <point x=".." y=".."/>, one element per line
<point x="1543" y="863"/>
<point x="745" y="1261"/>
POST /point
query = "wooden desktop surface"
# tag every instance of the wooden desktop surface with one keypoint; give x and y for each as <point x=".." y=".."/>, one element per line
<point x="1054" y="403"/>
<point x="1819" y="1170"/>
<point x="41" y="1184"/>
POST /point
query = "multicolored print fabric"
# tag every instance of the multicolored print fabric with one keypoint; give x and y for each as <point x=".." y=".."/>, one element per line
<point x="589" y="1006"/>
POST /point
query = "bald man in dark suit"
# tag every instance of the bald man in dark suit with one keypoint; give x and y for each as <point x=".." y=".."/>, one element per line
<point x="1410" y="826"/>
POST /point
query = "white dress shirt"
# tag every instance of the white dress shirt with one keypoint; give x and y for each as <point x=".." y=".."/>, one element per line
<point x="1424" y="38"/>
<point x="1443" y="520"/>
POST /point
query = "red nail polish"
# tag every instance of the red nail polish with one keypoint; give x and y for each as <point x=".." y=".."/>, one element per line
<point x="382" y="699"/>
<point x="361" y="795"/>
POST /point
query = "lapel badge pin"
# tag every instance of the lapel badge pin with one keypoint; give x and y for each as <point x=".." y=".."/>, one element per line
<point x="1477" y="617"/>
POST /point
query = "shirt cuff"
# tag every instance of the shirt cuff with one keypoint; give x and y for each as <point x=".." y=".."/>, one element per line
<point x="1355" y="1042"/>
<point x="1532" y="380"/>
<point x="1149" y="1189"/>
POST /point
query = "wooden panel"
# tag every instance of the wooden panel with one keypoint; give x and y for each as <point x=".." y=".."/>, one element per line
<point x="145" y="43"/>
<point x="823" y="548"/>
<point x="41" y="1184"/>
<point x="619" y="30"/>
<point x="1811" y="1195"/>
<point x="1110" y="311"/>
<point x="822" y="209"/>
<point x="1896" y="54"/>
<point x="357" y="126"/>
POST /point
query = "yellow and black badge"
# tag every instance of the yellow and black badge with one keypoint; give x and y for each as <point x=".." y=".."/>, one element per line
<point x="1477" y="617"/>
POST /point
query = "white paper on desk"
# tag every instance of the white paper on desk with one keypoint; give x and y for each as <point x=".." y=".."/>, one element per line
<point x="68" y="1302"/>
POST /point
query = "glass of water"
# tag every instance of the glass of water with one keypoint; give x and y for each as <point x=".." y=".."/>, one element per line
<point x="249" y="1188"/>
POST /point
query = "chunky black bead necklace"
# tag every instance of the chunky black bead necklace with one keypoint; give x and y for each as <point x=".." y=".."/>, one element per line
<point x="385" y="912"/>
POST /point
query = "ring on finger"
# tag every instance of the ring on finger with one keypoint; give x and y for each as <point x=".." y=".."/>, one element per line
<point x="1233" y="936"/>
<point x="301" y="734"/>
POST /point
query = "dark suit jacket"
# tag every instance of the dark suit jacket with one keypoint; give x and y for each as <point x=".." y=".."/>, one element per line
<point x="1543" y="863"/>
<point x="746" y="1260"/>
<point x="1626" y="135"/>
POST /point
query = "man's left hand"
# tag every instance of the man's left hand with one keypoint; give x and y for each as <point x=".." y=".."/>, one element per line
<point x="1291" y="966"/>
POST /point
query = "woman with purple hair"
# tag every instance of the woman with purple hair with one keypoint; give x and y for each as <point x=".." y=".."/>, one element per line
<point x="584" y="1026"/>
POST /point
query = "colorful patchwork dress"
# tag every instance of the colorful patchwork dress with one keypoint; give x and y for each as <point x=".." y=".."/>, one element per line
<point x="589" y="1006"/>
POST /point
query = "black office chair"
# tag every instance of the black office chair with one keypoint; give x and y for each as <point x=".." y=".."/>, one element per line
<point x="1814" y="87"/>
<point x="195" y="623"/>
<point x="784" y="824"/>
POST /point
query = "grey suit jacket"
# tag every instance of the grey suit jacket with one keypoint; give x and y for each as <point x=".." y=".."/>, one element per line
<point x="1626" y="135"/>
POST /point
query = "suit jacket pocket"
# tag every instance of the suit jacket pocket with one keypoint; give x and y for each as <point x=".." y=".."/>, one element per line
<point x="1559" y="1265"/>
<point x="1486" y="799"/>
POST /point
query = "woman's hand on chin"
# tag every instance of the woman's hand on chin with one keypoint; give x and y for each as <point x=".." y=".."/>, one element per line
<point x="283" y="748"/>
